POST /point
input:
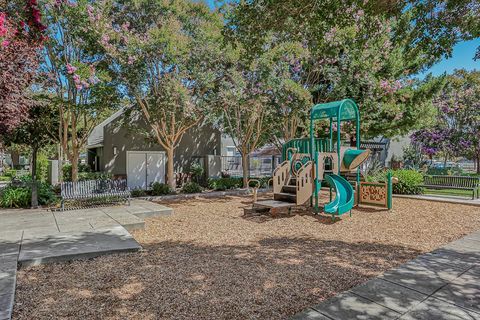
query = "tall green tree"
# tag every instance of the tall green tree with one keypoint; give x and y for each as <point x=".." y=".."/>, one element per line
<point x="165" y="54"/>
<point x="366" y="50"/>
<point x="36" y="133"/>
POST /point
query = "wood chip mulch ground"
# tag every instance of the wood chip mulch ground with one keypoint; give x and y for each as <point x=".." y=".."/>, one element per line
<point x="209" y="261"/>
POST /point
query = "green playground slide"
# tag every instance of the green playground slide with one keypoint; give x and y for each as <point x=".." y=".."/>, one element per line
<point x="344" y="198"/>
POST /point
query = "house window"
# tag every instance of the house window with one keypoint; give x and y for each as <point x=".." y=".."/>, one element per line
<point x="231" y="151"/>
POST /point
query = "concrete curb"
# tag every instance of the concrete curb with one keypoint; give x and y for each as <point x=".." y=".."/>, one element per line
<point x="474" y="203"/>
<point x="213" y="194"/>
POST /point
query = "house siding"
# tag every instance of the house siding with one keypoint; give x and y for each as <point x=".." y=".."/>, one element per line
<point x="197" y="141"/>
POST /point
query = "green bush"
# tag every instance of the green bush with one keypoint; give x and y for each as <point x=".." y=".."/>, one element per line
<point x="222" y="184"/>
<point x="42" y="167"/>
<point x="10" y="173"/>
<point x="82" y="176"/>
<point x="409" y="182"/>
<point x="5" y="178"/>
<point x="160" y="189"/>
<point x="20" y="196"/>
<point x="15" y="197"/>
<point x="451" y="171"/>
<point x="83" y="170"/>
<point x="191" y="187"/>
<point x="138" y="193"/>
<point x="196" y="170"/>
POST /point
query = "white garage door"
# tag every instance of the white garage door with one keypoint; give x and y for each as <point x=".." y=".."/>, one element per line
<point x="144" y="168"/>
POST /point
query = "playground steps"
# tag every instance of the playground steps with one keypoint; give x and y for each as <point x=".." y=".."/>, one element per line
<point x="268" y="206"/>
<point x="288" y="193"/>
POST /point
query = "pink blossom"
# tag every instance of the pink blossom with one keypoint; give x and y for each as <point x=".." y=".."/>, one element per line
<point x="71" y="69"/>
<point x="131" y="60"/>
<point x="3" y="19"/>
<point x="5" y="43"/>
<point x="125" y="26"/>
<point x="78" y="86"/>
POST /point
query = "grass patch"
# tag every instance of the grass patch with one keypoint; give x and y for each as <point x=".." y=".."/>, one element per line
<point x="451" y="192"/>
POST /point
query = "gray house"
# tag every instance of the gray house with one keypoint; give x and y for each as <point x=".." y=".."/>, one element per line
<point x="114" y="148"/>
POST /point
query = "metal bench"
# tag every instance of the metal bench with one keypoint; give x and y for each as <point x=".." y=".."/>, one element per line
<point x="106" y="190"/>
<point x="453" y="182"/>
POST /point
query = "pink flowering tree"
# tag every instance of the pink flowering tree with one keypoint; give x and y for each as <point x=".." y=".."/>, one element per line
<point x="164" y="55"/>
<point x="358" y="49"/>
<point x="79" y="81"/>
<point x="456" y="132"/>
<point x="21" y="36"/>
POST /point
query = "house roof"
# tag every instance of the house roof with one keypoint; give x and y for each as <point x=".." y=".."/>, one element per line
<point x="95" y="139"/>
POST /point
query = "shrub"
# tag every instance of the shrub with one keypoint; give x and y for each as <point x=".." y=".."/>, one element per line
<point x="94" y="176"/>
<point x="409" y="182"/>
<point x="222" y="184"/>
<point x="15" y="197"/>
<point x="451" y="171"/>
<point x="42" y="167"/>
<point x="196" y="170"/>
<point x="159" y="189"/>
<point x="191" y="187"/>
<point x="5" y="178"/>
<point x="82" y="170"/>
<point x="138" y="193"/>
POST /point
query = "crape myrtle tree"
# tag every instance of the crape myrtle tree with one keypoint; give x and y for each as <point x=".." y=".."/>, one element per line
<point x="289" y="98"/>
<point x="79" y="83"/>
<point x="365" y="50"/>
<point x="457" y="128"/>
<point x="260" y="100"/>
<point x="21" y="36"/>
<point x="165" y="54"/>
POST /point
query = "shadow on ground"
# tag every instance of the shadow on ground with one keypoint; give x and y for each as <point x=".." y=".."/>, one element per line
<point x="271" y="279"/>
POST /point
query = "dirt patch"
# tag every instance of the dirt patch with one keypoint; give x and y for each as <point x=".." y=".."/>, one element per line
<point x="208" y="261"/>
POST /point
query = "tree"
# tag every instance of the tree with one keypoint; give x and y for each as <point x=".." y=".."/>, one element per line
<point x="84" y="92"/>
<point x="20" y="39"/>
<point x="363" y="50"/>
<point x="164" y="53"/>
<point x="457" y="128"/>
<point x="259" y="98"/>
<point x="290" y="99"/>
<point x="35" y="133"/>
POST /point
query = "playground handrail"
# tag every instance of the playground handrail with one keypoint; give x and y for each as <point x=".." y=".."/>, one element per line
<point x="280" y="176"/>
<point x="304" y="183"/>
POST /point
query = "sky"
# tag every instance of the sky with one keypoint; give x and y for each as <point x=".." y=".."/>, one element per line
<point x="462" y="56"/>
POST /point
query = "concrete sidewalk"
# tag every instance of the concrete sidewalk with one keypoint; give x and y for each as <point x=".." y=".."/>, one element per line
<point x="32" y="237"/>
<point x="443" y="284"/>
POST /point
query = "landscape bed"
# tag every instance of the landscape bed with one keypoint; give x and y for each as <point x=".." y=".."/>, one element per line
<point x="209" y="261"/>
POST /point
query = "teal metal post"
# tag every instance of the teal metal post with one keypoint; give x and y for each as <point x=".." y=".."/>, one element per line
<point x="314" y="156"/>
<point x="389" y="190"/>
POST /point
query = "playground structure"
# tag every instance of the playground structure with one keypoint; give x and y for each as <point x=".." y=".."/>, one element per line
<point x="312" y="163"/>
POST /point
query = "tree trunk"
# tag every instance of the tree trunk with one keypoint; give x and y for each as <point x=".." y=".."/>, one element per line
<point x="245" y="168"/>
<point x="170" y="168"/>
<point x="15" y="159"/>
<point x="478" y="164"/>
<point x="34" y="200"/>
<point x="74" y="166"/>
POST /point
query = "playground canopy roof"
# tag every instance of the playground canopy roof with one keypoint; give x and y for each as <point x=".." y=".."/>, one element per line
<point x="347" y="109"/>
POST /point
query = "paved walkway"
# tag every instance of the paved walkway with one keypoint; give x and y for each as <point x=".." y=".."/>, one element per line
<point x="32" y="237"/>
<point x="443" y="284"/>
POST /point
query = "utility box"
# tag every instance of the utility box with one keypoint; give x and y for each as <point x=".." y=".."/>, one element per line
<point x="52" y="176"/>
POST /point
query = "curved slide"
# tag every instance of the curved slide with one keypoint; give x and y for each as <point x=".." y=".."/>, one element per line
<point x="344" y="198"/>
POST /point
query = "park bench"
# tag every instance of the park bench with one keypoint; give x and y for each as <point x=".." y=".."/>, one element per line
<point x="99" y="190"/>
<point x="453" y="182"/>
